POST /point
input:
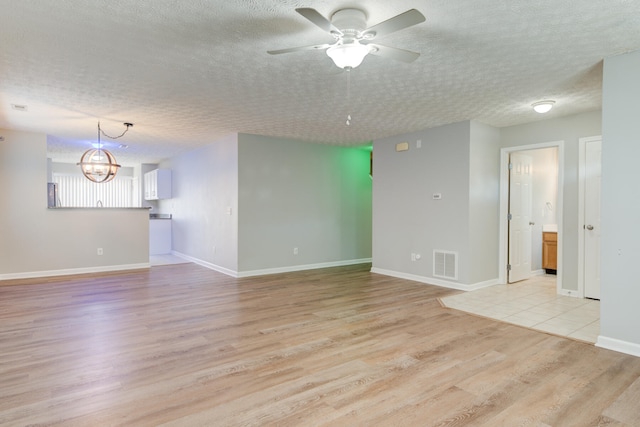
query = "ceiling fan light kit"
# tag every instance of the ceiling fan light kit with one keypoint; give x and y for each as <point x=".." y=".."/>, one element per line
<point x="543" y="106"/>
<point x="354" y="40"/>
<point x="348" y="55"/>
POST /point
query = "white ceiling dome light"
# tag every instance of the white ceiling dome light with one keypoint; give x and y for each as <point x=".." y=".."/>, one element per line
<point x="543" y="106"/>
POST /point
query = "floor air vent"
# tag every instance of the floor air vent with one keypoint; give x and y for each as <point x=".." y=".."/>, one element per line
<point x="445" y="264"/>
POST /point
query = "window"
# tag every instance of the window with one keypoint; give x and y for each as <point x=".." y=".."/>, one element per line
<point x="79" y="192"/>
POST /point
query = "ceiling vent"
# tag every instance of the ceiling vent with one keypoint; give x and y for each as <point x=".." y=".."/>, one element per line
<point x="445" y="264"/>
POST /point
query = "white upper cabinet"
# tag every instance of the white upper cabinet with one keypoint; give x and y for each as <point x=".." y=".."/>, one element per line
<point x="157" y="184"/>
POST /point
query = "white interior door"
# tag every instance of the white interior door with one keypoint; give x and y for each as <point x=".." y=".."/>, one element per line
<point x="591" y="228"/>
<point x="520" y="195"/>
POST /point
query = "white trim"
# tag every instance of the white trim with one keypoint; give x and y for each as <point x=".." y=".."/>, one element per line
<point x="618" y="345"/>
<point x="436" y="282"/>
<point x="266" y="271"/>
<point x="293" y="268"/>
<point x="73" y="271"/>
<point x="570" y="293"/>
<point x="504" y="198"/>
<point x="540" y="272"/>
<point x="206" y="264"/>
<point x="582" y="159"/>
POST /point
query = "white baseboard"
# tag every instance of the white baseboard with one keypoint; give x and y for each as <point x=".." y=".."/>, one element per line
<point x="569" y="293"/>
<point x="206" y="264"/>
<point x="434" y="281"/>
<point x="73" y="271"/>
<point x="540" y="272"/>
<point x="618" y="345"/>
<point x="303" y="267"/>
<point x="263" y="272"/>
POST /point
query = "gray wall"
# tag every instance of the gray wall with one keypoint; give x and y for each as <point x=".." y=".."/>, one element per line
<point x="620" y="291"/>
<point x="313" y="197"/>
<point x="204" y="203"/>
<point x="244" y="202"/>
<point x="34" y="239"/>
<point x="484" y="202"/>
<point x="568" y="129"/>
<point x="406" y="218"/>
<point x="462" y="162"/>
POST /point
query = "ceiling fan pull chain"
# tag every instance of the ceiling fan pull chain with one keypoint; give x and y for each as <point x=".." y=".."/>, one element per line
<point x="348" y="96"/>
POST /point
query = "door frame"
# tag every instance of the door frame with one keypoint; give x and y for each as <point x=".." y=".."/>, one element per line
<point x="503" y="255"/>
<point x="582" y="151"/>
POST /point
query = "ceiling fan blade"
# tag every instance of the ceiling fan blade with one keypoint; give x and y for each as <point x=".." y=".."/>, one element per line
<point x="319" y="20"/>
<point x="297" y="49"/>
<point x="393" y="53"/>
<point x="404" y="20"/>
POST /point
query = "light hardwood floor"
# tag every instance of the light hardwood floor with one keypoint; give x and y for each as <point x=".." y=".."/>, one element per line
<point x="181" y="345"/>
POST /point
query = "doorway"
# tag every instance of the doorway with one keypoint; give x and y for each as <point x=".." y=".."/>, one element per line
<point x="546" y="210"/>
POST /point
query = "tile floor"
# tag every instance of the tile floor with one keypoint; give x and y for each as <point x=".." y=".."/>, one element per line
<point x="535" y="304"/>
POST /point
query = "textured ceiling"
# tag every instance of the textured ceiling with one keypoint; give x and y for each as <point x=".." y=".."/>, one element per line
<point x="189" y="72"/>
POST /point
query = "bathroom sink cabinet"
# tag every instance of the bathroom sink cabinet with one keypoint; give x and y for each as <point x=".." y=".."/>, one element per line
<point x="550" y="251"/>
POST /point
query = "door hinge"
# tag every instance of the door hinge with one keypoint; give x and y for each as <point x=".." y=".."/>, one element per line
<point x="508" y="267"/>
<point x="509" y="217"/>
<point x="510" y="166"/>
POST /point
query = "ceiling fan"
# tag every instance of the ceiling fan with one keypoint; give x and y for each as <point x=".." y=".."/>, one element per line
<point x="354" y="40"/>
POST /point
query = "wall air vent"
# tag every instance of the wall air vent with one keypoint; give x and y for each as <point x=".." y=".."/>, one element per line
<point x="445" y="264"/>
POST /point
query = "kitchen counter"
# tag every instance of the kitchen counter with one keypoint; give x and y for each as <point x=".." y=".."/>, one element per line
<point x="159" y="216"/>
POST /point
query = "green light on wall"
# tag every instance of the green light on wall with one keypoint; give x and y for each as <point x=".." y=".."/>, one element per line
<point x="359" y="159"/>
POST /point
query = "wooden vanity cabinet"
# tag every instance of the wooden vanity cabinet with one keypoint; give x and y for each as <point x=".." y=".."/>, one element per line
<point x="550" y="250"/>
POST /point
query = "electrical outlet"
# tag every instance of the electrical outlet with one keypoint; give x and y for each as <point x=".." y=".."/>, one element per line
<point x="295" y="251"/>
<point x="413" y="257"/>
<point x="100" y="251"/>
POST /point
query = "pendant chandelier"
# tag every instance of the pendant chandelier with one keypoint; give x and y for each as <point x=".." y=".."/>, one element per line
<point x="99" y="165"/>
